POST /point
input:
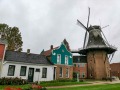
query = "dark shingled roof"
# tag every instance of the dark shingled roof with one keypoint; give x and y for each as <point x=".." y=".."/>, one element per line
<point x="79" y="59"/>
<point x="26" y="58"/>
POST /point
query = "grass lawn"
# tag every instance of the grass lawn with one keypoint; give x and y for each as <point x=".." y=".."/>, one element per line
<point x="95" y="87"/>
<point x="62" y="83"/>
<point x="45" y="84"/>
<point x="17" y="86"/>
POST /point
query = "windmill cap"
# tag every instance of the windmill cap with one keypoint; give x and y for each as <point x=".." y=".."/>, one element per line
<point x="94" y="27"/>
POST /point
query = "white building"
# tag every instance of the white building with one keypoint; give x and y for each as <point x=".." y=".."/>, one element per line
<point x="32" y="67"/>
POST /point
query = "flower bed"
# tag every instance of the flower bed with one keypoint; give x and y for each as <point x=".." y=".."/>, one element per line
<point x="32" y="87"/>
<point x="12" y="88"/>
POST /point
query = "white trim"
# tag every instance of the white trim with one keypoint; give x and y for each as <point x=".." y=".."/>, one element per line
<point x="58" y="58"/>
<point x="67" y="73"/>
<point x="66" y="47"/>
<point x="60" y="46"/>
<point x="60" y="73"/>
<point x="64" y="65"/>
<point x="27" y="63"/>
<point x="66" y="60"/>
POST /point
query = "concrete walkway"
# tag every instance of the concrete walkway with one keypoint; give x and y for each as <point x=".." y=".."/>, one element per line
<point x="91" y="84"/>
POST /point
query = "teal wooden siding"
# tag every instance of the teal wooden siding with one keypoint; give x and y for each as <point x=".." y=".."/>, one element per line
<point x="63" y="52"/>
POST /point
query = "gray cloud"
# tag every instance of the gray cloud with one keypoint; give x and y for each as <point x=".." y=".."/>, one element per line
<point x="46" y="22"/>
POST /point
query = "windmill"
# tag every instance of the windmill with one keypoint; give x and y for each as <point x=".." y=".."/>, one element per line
<point x="96" y="49"/>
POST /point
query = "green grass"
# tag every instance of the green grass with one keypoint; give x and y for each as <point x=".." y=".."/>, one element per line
<point x="95" y="87"/>
<point x="17" y="86"/>
<point x="62" y="83"/>
<point x="45" y="84"/>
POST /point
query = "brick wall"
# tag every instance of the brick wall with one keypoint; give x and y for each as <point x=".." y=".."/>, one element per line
<point x="80" y="69"/>
<point x="98" y="64"/>
<point x="2" y="47"/>
<point x="64" y="67"/>
<point x="115" y="69"/>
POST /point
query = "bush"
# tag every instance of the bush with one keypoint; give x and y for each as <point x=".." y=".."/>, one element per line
<point x="12" y="81"/>
<point x="61" y="80"/>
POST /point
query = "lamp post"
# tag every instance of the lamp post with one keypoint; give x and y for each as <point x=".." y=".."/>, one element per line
<point x="77" y="77"/>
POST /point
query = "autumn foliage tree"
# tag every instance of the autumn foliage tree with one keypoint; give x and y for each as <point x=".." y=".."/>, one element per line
<point x="13" y="37"/>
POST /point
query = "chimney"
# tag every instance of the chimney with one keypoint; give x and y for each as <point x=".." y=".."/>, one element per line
<point x="51" y="47"/>
<point x="28" y="51"/>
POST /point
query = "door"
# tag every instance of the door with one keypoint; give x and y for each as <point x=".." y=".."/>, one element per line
<point x="54" y="76"/>
<point x="30" y="74"/>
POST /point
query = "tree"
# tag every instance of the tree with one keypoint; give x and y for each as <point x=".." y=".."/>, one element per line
<point x="13" y="37"/>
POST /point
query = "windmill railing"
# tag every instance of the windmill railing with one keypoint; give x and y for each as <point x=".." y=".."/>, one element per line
<point x="75" y="50"/>
<point x="99" y="46"/>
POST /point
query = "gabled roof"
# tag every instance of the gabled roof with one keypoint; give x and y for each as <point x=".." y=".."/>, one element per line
<point x="16" y="56"/>
<point x="79" y="59"/>
<point x="48" y="52"/>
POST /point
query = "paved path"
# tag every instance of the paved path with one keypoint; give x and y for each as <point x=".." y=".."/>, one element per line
<point x="92" y="83"/>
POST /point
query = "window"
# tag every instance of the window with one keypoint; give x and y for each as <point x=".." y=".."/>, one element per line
<point x="59" y="59"/>
<point x="37" y="70"/>
<point x="82" y="65"/>
<point x="78" y="65"/>
<point x="66" y="60"/>
<point x="11" y="70"/>
<point x="83" y="75"/>
<point x="60" y="74"/>
<point x="44" y="73"/>
<point x="75" y="65"/>
<point x="23" y="71"/>
<point x="67" y="72"/>
<point x="78" y="59"/>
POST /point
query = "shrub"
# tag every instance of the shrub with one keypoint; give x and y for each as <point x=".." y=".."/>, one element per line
<point x="61" y="80"/>
<point x="12" y="81"/>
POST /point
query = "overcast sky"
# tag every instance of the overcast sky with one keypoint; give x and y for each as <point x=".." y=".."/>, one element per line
<point x="47" y="22"/>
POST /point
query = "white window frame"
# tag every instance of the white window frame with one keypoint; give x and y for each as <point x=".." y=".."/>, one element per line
<point x="66" y="59"/>
<point x="44" y="72"/>
<point x="61" y="74"/>
<point x="67" y="72"/>
<point x="58" y="58"/>
<point x="11" y="70"/>
<point x="83" y="64"/>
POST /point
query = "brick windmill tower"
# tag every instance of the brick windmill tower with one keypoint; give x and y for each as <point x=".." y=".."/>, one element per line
<point x="97" y="49"/>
